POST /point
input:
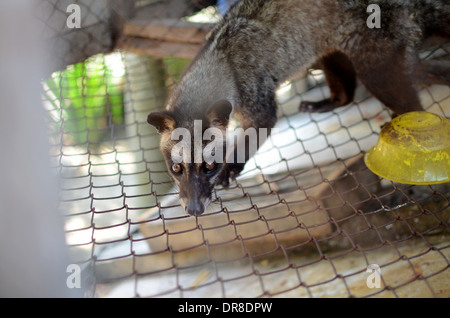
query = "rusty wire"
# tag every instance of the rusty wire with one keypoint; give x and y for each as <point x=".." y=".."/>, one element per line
<point x="310" y="231"/>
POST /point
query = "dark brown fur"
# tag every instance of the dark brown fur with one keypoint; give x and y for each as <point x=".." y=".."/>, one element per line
<point x="262" y="43"/>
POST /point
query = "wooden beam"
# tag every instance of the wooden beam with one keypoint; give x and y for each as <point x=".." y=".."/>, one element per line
<point x="170" y="30"/>
<point x="175" y="9"/>
<point x="159" y="48"/>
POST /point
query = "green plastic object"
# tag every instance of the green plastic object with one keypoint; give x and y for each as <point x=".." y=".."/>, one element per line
<point x="414" y="148"/>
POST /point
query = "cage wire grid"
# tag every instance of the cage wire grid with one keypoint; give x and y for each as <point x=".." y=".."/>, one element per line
<point x="306" y="217"/>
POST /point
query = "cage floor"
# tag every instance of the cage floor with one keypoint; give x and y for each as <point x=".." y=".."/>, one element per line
<point x="305" y="219"/>
<point x="341" y="274"/>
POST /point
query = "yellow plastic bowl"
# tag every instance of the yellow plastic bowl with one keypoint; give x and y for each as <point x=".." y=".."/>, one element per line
<point x="414" y="148"/>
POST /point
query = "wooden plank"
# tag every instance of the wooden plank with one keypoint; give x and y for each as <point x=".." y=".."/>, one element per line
<point x="159" y="48"/>
<point x="170" y="30"/>
<point x="176" y="9"/>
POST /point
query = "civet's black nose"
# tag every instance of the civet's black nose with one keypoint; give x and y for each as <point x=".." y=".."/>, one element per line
<point x="195" y="207"/>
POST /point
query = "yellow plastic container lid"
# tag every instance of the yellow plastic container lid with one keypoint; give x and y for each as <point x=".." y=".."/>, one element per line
<point x="414" y="148"/>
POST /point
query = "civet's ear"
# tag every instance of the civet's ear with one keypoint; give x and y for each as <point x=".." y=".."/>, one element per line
<point x="219" y="113"/>
<point x="163" y="121"/>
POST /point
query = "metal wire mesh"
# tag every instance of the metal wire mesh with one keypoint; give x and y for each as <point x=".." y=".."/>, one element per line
<point x="306" y="218"/>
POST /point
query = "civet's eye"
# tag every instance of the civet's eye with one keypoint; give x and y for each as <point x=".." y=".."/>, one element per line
<point x="210" y="166"/>
<point x="176" y="168"/>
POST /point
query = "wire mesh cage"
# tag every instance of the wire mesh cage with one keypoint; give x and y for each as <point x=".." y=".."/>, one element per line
<point x="306" y="217"/>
